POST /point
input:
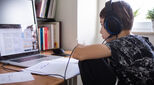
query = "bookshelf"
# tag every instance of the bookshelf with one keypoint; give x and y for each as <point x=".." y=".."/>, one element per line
<point x="48" y="27"/>
<point x="49" y="35"/>
<point x="66" y="12"/>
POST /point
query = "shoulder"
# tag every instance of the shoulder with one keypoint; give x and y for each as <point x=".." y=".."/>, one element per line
<point x="128" y="45"/>
<point x="127" y="40"/>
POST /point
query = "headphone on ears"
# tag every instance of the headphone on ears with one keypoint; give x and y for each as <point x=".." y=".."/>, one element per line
<point x="111" y="22"/>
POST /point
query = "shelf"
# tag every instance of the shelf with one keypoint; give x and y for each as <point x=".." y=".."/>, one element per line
<point x="143" y="33"/>
<point x="45" y="20"/>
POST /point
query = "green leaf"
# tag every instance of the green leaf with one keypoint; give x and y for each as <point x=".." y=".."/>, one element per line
<point x="136" y="12"/>
<point x="150" y="14"/>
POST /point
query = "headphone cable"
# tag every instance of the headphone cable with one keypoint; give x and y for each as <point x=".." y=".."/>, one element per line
<point x="107" y="38"/>
<point x="68" y="62"/>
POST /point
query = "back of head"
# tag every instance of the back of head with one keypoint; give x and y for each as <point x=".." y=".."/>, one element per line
<point x="117" y="16"/>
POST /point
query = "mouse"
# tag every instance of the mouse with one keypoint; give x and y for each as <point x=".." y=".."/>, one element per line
<point x="59" y="52"/>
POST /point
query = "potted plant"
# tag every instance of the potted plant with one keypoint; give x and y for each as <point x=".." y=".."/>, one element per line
<point x="150" y="15"/>
<point x="136" y="12"/>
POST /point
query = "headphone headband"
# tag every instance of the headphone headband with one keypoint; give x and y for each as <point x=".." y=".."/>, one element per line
<point x="112" y="23"/>
<point x="109" y="6"/>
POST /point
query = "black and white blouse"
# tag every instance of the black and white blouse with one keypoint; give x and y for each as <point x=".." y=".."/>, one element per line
<point x="132" y="60"/>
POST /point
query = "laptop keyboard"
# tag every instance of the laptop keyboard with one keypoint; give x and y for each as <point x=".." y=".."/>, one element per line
<point x="28" y="58"/>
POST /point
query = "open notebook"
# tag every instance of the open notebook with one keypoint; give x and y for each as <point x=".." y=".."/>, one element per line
<point x="59" y="65"/>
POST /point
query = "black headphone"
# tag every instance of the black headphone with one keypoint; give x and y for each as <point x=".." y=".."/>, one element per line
<point x="112" y="23"/>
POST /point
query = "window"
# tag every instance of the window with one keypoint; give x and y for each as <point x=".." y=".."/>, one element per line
<point x="141" y="24"/>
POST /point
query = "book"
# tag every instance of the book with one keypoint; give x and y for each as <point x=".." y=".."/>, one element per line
<point x="43" y="8"/>
<point x="56" y="34"/>
<point x="52" y="9"/>
<point x="50" y="36"/>
<point x="41" y="38"/>
<point x="38" y="4"/>
<point x="38" y="31"/>
<point x="47" y="8"/>
<point x="45" y="37"/>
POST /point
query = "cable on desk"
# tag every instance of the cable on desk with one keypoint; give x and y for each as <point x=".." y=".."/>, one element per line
<point x="68" y="64"/>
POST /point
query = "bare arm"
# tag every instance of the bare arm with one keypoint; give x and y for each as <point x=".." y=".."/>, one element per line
<point x="95" y="51"/>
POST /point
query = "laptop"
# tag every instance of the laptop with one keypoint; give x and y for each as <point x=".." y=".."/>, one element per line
<point x="18" y="34"/>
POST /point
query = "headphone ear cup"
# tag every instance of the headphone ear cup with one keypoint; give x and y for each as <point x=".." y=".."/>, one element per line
<point x="112" y="25"/>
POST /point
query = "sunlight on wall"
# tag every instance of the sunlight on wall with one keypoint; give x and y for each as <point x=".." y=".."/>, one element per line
<point x="86" y="21"/>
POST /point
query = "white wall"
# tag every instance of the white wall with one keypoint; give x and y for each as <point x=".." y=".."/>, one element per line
<point x="78" y="21"/>
<point x="86" y="19"/>
<point x="66" y="12"/>
<point x="100" y="6"/>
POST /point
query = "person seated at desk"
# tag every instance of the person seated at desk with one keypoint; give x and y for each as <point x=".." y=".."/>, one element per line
<point x="124" y="59"/>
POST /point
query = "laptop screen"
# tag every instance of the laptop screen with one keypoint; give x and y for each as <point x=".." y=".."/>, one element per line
<point x="17" y="27"/>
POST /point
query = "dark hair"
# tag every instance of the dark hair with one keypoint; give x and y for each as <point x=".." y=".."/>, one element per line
<point x="123" y="11"/>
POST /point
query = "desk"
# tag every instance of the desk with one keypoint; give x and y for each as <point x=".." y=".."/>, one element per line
<point x="39" y="79"/>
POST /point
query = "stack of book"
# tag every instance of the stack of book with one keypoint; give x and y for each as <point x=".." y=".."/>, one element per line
<point x="45" y="8"/>
<point x="49" y="36"/>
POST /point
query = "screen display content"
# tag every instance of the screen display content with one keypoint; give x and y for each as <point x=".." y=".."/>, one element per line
<point x="17" y="27"/>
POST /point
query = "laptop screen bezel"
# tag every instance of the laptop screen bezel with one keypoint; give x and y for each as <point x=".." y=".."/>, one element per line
<point x="27" y="53"/>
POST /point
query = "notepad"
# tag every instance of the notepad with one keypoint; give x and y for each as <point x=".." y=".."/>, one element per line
<point x="14" y="77"/>
<point x="56" y="66"/>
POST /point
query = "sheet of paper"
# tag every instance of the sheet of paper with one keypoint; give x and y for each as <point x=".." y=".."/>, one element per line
<point x="56" y="66"/>
<point x="15" y="77"/>
<point x="65" y="60"/>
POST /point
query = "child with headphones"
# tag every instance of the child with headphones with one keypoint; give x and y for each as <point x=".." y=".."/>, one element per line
<point x="124" y="59"/>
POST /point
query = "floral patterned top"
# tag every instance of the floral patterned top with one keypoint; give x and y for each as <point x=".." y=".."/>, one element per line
<point x="132" y="60"/>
